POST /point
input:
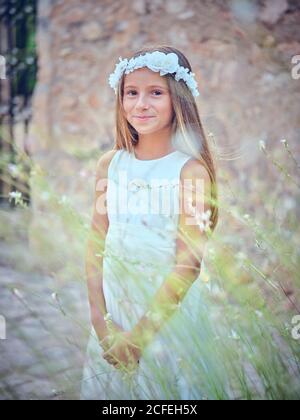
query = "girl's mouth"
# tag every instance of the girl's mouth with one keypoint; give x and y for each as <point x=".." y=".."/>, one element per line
<point x="144" y="118"/>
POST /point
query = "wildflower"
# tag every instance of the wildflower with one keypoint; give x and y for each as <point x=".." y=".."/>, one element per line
<point x="284" y="142"/>
<point x="54" y="296"/>
<point x="16" y="195"/>
<point x="18" y="293"/>
<point x="262" y="145"/>
<point x="202" y="219"/>
<point x="13" y="169"/>
<point x="241" y="256"/>
<point x="259" y="314"/>
<point x="234" y="335"/>
<point x="108" y="318"/>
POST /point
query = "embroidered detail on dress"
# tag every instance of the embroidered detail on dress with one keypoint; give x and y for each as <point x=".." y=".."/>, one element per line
<point x="137" y="184"/>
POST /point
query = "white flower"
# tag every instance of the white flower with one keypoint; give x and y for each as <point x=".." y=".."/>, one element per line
<point x="120" y="67"/>
<point x="241" y="256"/>
<point x="202" y="219"/>
<point x="259" y="314"/>
<point x="234" y="335"/>
<point x="108" y="317"/>
<point x="156" y="61"/>
<point x="165" y="63"/>
<point x="15" y="195"/>
<point x="18" y="293"/>
<point x="13" y="169"/>
<point x="206" y="215"/>
<point x="262" y="145"/>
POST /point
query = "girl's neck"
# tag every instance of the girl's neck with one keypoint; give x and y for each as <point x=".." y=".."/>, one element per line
<point x="149" y="147"/>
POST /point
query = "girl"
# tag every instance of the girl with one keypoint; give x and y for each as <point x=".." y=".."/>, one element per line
<point x="150" y="225"/>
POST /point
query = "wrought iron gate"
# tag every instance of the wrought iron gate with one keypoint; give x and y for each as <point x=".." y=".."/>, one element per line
<point x="18" y="68"/>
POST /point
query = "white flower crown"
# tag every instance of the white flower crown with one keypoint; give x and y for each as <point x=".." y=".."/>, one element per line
<point x="156" y="61"/>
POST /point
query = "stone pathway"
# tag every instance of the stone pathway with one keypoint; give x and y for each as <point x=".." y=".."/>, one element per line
<point x="42" y="355"/>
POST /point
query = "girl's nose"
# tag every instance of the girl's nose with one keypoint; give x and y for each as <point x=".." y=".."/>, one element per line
<point x="142" y="102"/>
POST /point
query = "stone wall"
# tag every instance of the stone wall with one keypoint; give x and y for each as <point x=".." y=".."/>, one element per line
<point x="240" y="51"/>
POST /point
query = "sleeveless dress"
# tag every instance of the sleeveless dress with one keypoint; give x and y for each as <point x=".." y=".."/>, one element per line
<point x="140" y="250"/>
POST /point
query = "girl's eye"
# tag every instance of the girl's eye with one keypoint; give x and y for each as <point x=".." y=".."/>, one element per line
<point x="156" y="91"/>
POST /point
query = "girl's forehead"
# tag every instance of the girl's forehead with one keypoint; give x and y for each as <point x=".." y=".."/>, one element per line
<point x="144" y="77"/>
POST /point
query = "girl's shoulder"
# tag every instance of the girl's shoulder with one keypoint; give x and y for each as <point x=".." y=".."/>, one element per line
<point x="105" y="160"/>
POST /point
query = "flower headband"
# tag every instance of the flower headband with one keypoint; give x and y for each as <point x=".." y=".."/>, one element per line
<point x="156" y="61"/>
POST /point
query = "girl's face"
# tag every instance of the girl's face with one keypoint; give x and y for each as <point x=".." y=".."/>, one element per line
<point x="146" y="93"/>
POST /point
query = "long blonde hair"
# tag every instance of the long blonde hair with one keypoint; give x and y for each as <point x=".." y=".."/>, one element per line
<point x="187" y="129"/>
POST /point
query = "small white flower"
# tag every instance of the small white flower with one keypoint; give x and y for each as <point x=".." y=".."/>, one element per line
<point x="54" y="296"/>
<point x="18" y="293"/>
<point x="108" y="317"/>
<point x="206" y="215"/>
<point x="284" y="141"/>
<point x="165" y="63"/>
<point x="241" y="256"/>
<point x="259" y="314"/>
<point x="262" y="145"/>
<point x="234" y="335"/>
<point x="13" y="169"/>
<point x="203" y="220"/>
<point x="15" y="194"/>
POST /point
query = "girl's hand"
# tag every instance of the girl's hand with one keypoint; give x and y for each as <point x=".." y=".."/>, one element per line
<point x="110" y="335"/>
<point x="123" y="354"/>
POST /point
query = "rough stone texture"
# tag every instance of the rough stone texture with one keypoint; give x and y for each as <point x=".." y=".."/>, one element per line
<point x="42" y="355"/>
<point x="240" y="52"/>
<point x="43" y="352"/>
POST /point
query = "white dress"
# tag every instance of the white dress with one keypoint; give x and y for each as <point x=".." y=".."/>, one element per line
<point x="140" y="250"/>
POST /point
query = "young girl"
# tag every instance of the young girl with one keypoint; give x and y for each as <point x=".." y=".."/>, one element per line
<point x="150" y="225"/>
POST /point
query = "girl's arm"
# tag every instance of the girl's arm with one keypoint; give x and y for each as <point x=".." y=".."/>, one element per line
<point x="95" y="248"/>
<point x="190" y="248"/>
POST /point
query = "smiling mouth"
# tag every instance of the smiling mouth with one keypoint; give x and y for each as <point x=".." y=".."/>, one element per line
<point x="143" y="118"/>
